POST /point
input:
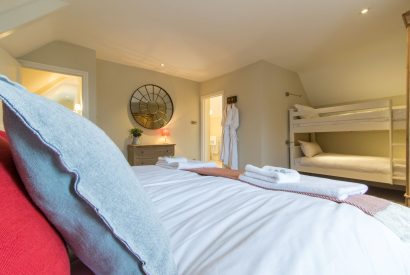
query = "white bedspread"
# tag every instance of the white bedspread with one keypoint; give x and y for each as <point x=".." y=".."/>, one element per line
<point x="347" y="162"/>
<point x="222" y="226"/>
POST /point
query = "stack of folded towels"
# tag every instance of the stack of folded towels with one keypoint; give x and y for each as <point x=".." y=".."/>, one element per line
<point x="268" y="175"/>
<point x="277" y="178"/>
<point x="182" y="163"/>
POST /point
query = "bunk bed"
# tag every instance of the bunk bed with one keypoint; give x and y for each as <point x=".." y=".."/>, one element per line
<point x="378" y="115"/>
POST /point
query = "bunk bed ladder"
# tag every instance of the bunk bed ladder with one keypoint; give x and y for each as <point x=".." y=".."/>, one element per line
<point x="291" y="141"/>
<point x="391" y="141"/>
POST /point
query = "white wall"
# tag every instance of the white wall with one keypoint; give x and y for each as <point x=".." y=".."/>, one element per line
<point x="116" y="83"/>
<point x="10" y="68"/>
<point x="262" y="104"/>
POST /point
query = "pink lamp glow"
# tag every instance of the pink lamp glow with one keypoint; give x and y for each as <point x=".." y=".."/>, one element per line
<point x="165" y="133"/>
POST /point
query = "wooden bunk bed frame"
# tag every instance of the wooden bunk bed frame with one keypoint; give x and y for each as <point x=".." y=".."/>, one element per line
<point x="367" y="116"/>
<point x="406" y="18"/>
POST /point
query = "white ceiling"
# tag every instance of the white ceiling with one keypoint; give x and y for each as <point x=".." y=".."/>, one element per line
<point x="200" y="40"/>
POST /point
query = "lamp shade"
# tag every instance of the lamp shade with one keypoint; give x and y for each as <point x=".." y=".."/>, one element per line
<point x="165" y="132"/>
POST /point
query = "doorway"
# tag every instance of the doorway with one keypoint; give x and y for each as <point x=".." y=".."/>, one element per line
<point x="212" y="128"/>
<point x="65" y="89"/>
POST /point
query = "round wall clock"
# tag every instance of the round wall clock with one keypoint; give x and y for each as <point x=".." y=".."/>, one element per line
<point x="151" y="106"/>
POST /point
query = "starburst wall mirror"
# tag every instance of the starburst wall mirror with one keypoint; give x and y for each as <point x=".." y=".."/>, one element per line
<point x="151" y="106"/>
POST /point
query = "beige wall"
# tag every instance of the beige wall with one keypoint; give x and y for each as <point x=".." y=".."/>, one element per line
<point x="262" y="104"/>
<point x="66" y="55"/>
<point x="10" y="68"/>
<point x="371" y="66"/>
<point x="374" y="143"/>
<point x="115" y="85"/>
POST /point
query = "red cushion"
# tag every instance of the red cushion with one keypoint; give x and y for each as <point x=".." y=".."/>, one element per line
<point x="28" y="243"/>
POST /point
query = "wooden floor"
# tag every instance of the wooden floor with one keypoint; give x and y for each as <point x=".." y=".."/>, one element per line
<point x="391" y="195"/>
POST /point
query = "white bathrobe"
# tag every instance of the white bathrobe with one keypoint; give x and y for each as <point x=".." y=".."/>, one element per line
<point x="230" y="124"/>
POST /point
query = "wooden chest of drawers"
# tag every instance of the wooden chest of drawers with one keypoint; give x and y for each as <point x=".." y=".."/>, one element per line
<point x="148" y="154"/>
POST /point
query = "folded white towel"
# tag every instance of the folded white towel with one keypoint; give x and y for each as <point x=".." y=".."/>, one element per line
<point x="278" y="174"/>
<point x="257" y="182"/>
<point x="259" y="177"/>
<point x="172" y="159"/>
<point x="192" y="164"/>
<point x="313" y="185"/>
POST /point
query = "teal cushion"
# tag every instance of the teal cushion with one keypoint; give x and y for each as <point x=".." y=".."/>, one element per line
<point x="85" y="187"/>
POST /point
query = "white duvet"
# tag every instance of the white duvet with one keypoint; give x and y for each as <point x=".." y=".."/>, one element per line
<point x="223" y="226"/>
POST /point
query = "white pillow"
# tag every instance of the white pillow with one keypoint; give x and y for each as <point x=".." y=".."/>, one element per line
<point x="307" y="112"/>
<point x="310" y="149"/>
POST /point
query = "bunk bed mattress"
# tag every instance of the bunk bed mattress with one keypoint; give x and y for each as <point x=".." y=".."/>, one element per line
<point x="367" y="164"/>
<point x="398" y="112"/>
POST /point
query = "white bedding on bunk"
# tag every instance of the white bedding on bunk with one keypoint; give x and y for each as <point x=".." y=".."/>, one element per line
<point x="223" y="226"/>
<point x="347" y="162"/>
<point x="398" y="113"/>
<point x="355" y="112"/>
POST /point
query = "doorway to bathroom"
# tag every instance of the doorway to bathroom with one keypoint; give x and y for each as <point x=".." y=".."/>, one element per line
<point x="211" y="127"/>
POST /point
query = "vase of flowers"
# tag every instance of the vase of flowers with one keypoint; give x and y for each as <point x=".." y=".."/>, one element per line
<point x="136" y="133"/>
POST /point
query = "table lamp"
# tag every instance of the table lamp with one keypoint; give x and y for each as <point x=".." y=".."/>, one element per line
<point x="165" y="133"/>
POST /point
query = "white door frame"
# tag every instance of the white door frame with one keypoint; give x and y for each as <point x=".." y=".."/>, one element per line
<point x="204" y="149"/>
<point x="62" y="70"/>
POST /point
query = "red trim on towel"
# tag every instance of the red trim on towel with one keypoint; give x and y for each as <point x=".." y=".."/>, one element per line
<point x="217" y="172"/>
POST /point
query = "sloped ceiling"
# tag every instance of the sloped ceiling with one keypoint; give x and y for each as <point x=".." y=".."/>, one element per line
<point x="339" y="54"/>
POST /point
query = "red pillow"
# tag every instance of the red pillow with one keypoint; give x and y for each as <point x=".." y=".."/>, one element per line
<point x="28" y="243"/>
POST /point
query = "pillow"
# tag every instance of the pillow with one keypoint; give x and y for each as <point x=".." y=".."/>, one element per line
<point x="310" y="149"/>
<point x="307" y="112"/>
<point x="83" y="184"/>
<point x="28" y="243"/>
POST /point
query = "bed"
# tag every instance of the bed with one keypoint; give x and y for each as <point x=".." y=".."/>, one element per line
<point x="223" y="226"/>
<point x="368" y="168"/>
<point x="377" y="115"/>
<point x="140" y="220"/>
<point x="366" y="116"/>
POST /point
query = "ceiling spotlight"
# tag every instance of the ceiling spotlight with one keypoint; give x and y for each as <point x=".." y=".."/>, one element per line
<point x="364" y="11"/>
<point x="162" y="65"/>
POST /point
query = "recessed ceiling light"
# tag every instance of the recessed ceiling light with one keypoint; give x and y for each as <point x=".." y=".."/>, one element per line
<point x="364" y="11"/>
<point x="162" y="65"/>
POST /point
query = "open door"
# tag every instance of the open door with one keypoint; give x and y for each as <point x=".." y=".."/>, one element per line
<point x="406" y="18"/>
<point x="211" y="130"/>
<point x="9" y="67"/>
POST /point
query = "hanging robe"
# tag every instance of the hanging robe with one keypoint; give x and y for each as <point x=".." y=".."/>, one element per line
<point x="229" y="149"/>
<point x="225" y="137"/>
<point x="233" y="145"/>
